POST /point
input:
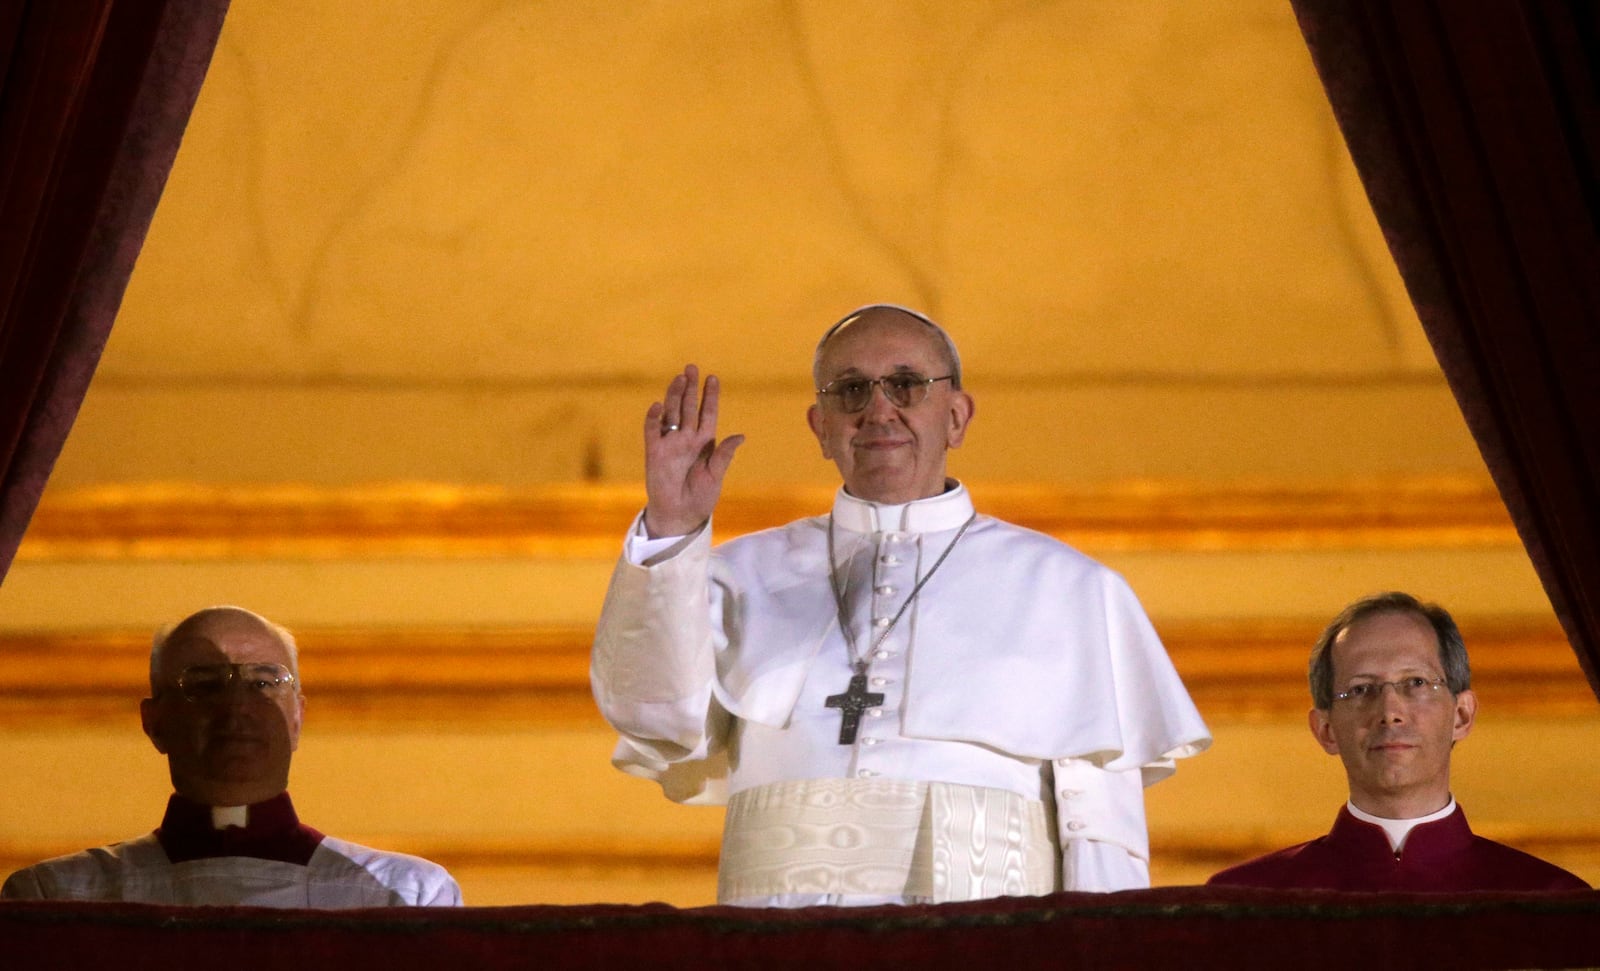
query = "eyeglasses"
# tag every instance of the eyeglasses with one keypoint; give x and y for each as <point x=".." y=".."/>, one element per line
<point x="1411" y="689"/>
<point x="209" y="682"/>
<point x="904" y="389"/>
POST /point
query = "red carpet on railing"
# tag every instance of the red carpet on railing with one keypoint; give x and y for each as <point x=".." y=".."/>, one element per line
<point x="1178" y="927"/>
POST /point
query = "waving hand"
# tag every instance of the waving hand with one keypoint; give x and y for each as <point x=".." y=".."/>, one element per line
<point x="683" y="461"/>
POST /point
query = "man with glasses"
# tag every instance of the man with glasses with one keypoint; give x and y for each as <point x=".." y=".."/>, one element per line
<point x="1392" y="691"/>
<point x="225" y="709"/>
<point x="901" y="700"/>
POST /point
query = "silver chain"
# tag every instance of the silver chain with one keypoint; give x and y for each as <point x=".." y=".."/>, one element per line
<point x="860" y="663"/>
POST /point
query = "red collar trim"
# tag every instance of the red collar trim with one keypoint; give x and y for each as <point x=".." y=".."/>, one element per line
<point x="273" y="832"/>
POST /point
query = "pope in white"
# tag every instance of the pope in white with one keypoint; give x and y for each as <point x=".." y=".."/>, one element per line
<point x="901" y="701"/>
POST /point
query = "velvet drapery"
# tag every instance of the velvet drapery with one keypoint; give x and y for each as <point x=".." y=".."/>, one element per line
<point x="95" y="97"/>
<point x="1169" y="927"/>
<point x="1474" y="127"/>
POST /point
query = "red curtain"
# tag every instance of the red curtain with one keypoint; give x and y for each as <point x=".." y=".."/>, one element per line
<point x="95" y="97"/>
<point x="1475" y="128"/>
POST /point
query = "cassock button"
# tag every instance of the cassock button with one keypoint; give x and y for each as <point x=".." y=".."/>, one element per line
<point x="884" y="590"/>
<point x="881" y="622"/>
<point x="1076" y="825"/>
<point x="865" y="773"/>
<point x="891" y="560"/>
<point x="882" y="655"/>
<point x="879" y="682"/>
<point x="870" y="741"/>
<point x="874" y="712"/>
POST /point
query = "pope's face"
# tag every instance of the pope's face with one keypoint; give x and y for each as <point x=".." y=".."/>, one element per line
<point x="1396" y="751"/>
<point x="232" y="747"/>
<point x="887" y="453"/>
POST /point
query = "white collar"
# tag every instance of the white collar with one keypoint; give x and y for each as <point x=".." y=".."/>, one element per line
<point x="947" y="510"/>
<point x="1398" y="829"/>
<point x="223" y="817"/>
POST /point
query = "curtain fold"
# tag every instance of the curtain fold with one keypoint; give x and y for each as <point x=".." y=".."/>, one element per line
<point x="1474" y="128"/>
<point x="95" y="97"/>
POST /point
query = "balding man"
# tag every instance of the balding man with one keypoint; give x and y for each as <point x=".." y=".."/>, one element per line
<point x="225" y="709"/>
<point x="901" y="701"/>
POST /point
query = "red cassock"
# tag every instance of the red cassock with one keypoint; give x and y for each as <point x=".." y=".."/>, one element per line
<point x="1442" y="856"/>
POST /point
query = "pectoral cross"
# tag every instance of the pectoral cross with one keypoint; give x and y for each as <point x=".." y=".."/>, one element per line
<point x="855" y="700"/>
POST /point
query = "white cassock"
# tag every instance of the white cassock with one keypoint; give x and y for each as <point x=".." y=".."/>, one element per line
<point x="1026" y="701"/>
<point x="338" y="875"/>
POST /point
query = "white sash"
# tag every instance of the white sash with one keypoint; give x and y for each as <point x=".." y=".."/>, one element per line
<point x="930" y="841"/>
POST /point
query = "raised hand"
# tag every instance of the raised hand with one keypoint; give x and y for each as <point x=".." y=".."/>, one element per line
<point x="683" y="461"/>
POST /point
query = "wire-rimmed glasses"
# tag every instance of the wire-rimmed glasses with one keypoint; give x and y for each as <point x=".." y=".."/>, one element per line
<point x="904" y="389"/>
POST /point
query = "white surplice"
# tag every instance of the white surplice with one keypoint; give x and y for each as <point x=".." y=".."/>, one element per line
<point x="339" y="875"/>
<point x="1023" y="667"/>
